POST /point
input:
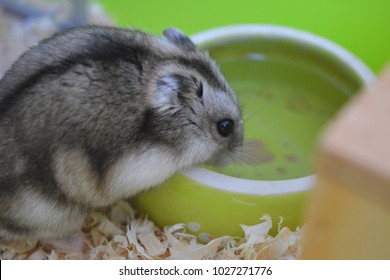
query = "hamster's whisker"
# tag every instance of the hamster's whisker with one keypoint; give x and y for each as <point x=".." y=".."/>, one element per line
<point x="251" y="153"/>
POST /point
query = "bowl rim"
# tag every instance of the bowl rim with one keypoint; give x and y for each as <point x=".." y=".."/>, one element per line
<point x="232" y="184"/>
<point x="223" y="34"/>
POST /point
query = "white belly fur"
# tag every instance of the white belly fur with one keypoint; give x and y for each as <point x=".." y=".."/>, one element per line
<point x="131" y="174"/>
<point x="134" y="173"/>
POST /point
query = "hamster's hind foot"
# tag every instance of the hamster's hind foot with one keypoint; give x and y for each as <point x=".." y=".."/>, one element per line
<point x="72" y="243"/>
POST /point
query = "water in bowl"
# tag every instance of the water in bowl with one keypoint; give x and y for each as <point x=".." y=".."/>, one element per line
<point x="285" y="103"/>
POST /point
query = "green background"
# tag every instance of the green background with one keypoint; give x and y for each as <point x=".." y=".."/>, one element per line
<point x="361" y="26"/>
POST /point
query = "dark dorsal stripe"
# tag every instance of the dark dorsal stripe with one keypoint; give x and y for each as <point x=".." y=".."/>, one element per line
<point x="109" y="52"/>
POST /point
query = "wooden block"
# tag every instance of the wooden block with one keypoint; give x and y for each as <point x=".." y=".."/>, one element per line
<point x="349" y="214"/>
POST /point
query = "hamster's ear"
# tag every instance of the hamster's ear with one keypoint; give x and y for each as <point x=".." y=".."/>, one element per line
<point x="178" y="38"/>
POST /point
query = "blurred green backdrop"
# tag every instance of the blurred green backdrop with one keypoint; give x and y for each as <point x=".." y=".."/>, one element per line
<point x="361" y="26"/>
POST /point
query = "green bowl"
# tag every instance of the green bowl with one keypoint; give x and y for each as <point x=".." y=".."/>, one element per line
<point x="289" y="83"/>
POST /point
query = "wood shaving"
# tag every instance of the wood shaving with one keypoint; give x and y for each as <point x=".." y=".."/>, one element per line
<point x="119" y="234"/>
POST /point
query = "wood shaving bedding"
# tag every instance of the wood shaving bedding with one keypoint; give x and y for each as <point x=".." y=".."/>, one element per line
<point x="120" y="234"/>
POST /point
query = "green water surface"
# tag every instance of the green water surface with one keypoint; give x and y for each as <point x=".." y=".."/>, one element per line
<point x="285" y="105"/>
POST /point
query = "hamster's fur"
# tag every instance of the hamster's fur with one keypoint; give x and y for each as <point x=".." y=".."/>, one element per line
<point x="94" y="115"/>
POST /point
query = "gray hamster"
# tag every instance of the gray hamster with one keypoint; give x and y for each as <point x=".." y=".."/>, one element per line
<point x="96" y="114"/>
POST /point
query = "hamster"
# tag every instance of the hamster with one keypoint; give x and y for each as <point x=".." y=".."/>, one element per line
<point x="96" y="114"/>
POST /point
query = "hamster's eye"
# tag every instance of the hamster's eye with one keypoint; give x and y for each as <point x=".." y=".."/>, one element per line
<point x="225" y="127"/>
